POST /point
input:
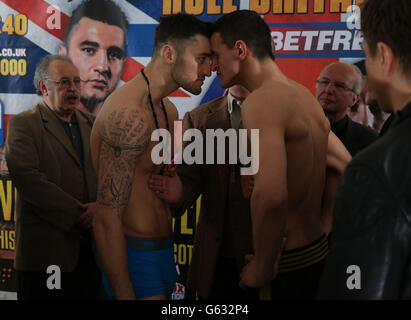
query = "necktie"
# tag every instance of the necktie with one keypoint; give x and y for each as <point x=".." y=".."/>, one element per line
<point x="236" y="122"/>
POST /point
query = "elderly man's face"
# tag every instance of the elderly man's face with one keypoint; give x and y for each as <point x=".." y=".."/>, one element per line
<point x="334" y="88"/>
<point x="61" y="90"/>
<point x="97" y="50"/>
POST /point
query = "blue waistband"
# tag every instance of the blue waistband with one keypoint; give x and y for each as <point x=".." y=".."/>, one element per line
<point x="149" y="243"/>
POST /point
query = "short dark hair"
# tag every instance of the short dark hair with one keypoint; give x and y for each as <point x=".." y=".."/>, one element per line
<point x="178" y="29"/>
<point x="248" y="26"/>
<point x="105" y="11"/>
<point x="389" y="22"/>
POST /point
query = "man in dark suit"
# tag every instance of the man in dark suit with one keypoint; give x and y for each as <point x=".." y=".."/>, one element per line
<point x="338" y="88"/>
<point x="48" y="155"/>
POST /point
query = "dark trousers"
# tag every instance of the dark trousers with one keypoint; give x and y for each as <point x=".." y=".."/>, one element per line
<point x="300" y="284"/>
<point x="83" y="283"/>
<point x="225" y="283"/>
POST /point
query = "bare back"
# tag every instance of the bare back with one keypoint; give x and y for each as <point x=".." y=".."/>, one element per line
<point x="293" y="148"/>
<point x="121" y="151"/>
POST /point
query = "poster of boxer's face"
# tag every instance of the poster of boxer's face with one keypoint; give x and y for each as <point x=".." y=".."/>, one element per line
<point x="111" y="41"/>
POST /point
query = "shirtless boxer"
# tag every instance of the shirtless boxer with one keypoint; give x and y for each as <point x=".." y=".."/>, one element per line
<point x="290" y="197"/>
<point x="131" y="223"/>
<point x="288" y="188"/>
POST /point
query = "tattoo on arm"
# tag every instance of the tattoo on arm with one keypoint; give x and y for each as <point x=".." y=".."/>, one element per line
<point x="124" y="136"/>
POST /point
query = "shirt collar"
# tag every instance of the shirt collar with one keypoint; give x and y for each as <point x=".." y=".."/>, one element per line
<point x="339" y="127"/>
<point x="230" y="99"/>
<point x="72" y="121"/>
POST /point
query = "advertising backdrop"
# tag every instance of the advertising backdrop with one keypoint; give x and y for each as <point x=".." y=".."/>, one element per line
<point x="308" y="35"/>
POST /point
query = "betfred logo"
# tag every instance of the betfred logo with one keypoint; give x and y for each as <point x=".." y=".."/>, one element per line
<point x="316" y="40"/>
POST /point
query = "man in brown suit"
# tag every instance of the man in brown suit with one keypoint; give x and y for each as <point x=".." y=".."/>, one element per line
<point x="223" y="235"/>
<point x="48" y="155"/>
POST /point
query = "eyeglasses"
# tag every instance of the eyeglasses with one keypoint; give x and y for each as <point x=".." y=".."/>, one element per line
<point x="66" y="83"/>
<point x="340" y="86"/>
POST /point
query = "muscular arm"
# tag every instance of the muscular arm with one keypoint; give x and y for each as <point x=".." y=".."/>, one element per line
<point x="337" y="159"/>
<point x="124" y="134"/>
<point x="269" y="200"/>
<point x="337" y="155"/>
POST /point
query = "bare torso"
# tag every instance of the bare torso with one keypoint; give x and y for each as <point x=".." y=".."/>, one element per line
<point x="306" y="135"/>
<point x="144" y="214"/>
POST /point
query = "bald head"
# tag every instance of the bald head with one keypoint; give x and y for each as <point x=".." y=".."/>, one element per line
<point x="338" y="88"/>
<point x="349" y="70"/>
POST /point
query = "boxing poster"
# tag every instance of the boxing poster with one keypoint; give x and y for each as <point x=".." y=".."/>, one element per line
<point x="308" y="34"/>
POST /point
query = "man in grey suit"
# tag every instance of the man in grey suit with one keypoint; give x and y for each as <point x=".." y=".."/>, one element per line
<point x="48" y="155"/>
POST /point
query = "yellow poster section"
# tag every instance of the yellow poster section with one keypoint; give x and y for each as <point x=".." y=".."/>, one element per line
<point x="8" y="196"/>
<point x="210" y="7"/>
<point x="183" y="249"/>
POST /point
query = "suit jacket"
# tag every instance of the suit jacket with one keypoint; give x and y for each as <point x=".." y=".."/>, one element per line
<point x="45" y="168"/>
<point x="212" y="181"/>
<point x="353" y="135"/>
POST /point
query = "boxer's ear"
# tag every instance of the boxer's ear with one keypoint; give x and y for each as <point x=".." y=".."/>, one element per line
<point x="168" y="54"/>
<point x="241" y="49"/>
<point x="386" y="58"/>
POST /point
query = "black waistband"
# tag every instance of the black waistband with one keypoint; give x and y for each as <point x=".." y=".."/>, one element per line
<point x="305" y="256"/>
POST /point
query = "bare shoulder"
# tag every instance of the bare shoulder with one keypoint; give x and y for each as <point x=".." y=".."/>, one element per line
<point x="266" y="106"/>
<point x="124" y="127"/>
<point x="304" y="102"/>
<point x="274" y="94"/>
<point x="124" y="134"/>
